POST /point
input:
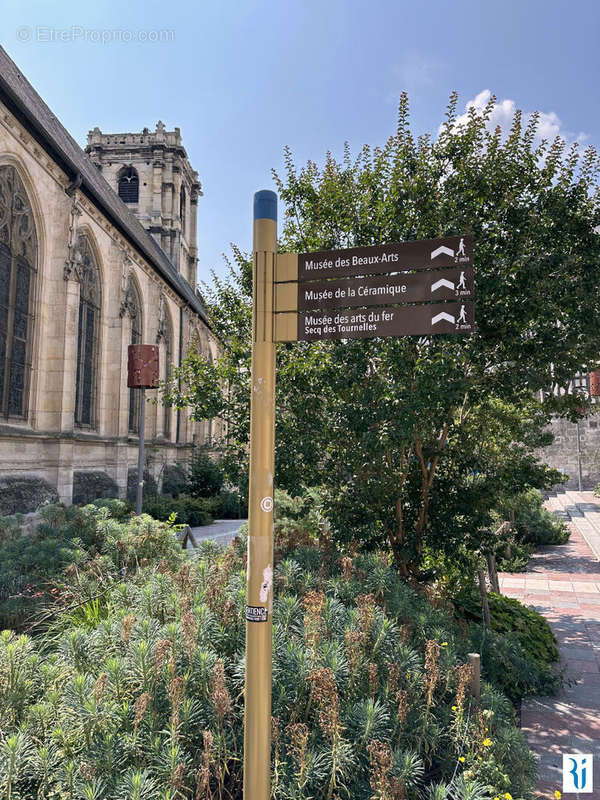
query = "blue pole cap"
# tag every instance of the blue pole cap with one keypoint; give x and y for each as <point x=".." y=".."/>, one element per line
<point x="265" y="205"/>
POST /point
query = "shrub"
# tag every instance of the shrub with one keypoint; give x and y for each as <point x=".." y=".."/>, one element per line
<point x="231" y="505"/>
<point x="142" y="541"/>
<point x="10" y="528"/>
<point x="532" y="630"/>
<point x="150" y="488"/>
<point x="526" y="665"/>
<point x="193" y="511"/>
<point x="534" y="524"/>
<point x="226" y="505"/>
<point x="206" y="477"/>
<point x="33" y="565"/>
<point x="520" y="555"/>
<point x="174" y="480"/>
<point x="370" y="689"/>
<point x="117" y="509"/>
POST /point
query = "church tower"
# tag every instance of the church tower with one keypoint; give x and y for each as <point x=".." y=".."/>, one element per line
<point x="151" y="174"/>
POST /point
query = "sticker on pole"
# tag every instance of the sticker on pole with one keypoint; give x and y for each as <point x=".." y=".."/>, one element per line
<point x="256" y="614"/>
<point x="266" y="504"/>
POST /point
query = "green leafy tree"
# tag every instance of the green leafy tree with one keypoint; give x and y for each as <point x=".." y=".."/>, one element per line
<point x="222" y="387"/>
<point x="416" y="438"/>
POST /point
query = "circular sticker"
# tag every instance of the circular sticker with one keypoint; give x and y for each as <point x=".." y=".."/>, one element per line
<point x="266" y="504"/>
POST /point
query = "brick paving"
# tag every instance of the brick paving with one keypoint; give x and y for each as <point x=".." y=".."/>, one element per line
<point x="563" y="583"/>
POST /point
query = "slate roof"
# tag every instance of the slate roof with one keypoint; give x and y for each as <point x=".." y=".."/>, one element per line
<point x="26" y="104"/>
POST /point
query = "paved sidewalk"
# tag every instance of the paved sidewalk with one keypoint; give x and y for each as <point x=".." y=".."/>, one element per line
<point x="583" y="509"/>
<point x="563" y="583"/>
<point x="222" y="531"/>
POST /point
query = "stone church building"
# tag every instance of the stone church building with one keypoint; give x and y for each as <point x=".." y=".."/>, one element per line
<point x="98" y="250"/>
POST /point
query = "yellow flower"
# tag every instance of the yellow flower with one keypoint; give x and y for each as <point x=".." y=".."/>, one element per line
<point x="444" y="644"/>
<point x="488" y="743"/>
<point x="454" y="708"/>
<point x="507" y="796"/>
<point x="557" y="794"/>
<point x="461" y="759"/>
<point x="496" y="798"/>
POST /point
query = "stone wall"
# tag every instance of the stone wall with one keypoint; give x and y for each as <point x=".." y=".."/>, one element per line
<point x="562" y="454"/>
<point x="24" y="495"/>
<point x="163" y="169"/>
<point x="47" y="444"/>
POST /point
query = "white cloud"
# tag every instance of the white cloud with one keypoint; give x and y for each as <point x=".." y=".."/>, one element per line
<point x="503" y="112"/>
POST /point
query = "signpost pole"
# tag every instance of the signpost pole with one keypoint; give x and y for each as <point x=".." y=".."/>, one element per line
<point x="142" y="374"/>
<point x="259" y="587"/>
<point x="140" y="469"/>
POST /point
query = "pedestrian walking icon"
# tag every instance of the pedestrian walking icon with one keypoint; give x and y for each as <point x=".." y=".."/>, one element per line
<point x="461" y="248"/>
<point x="462" y="316"/>
<point x="461" y="281"/>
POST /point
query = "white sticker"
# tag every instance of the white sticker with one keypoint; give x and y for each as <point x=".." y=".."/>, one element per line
<point x="256" y="614"/>
<point x="266" y="504"/>
<point x="266" y="584"/>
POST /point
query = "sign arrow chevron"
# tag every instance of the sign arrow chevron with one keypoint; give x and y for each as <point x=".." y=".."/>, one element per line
<point x="442" y="250"/>
<point x="441" y="317"/>
<point x="441" y="283"/>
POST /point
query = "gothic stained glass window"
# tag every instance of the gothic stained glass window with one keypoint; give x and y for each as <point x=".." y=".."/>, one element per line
<point x="168" y="340"/>
<point x="129" y="185"/>
<point x="87" y="337"/>
<point x="18" y="266"/>
<point x="135" y="395"/>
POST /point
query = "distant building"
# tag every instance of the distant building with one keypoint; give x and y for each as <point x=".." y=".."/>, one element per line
<point x="96" y="252"/>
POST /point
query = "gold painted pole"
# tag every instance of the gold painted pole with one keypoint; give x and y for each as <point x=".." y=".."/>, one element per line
<point x="259" y="586"/>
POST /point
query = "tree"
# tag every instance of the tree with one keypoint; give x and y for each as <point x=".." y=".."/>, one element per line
<point x="221" y="388"/>
<point x="392" y="426"/>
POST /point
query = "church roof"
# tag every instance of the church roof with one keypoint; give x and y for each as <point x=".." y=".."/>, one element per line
<point x="26" y="104"/>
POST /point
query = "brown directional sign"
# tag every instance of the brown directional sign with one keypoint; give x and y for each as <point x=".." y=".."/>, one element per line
<point x="419" y="320"/>
<point x="371" y="291"/>
<point x="451" y="251"/>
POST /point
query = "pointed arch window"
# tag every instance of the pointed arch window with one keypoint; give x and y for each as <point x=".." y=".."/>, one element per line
<point x="135" y="312"/>
<point x="18" y="268"/>
<point x="129" y="185"/>
<point x="210" y="428"/>
<point x="165" y="336"/>
<point x="182" y="210"/>
<point x="168" y="339"/>
<point x="90" y="297"/>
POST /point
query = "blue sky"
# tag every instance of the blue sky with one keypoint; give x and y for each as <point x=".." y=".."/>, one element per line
<point x="242" y="79"/>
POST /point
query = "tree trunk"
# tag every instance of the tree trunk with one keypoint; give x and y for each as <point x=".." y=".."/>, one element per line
<point x="484" y="599"/>
<point x="493" y="573"/>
